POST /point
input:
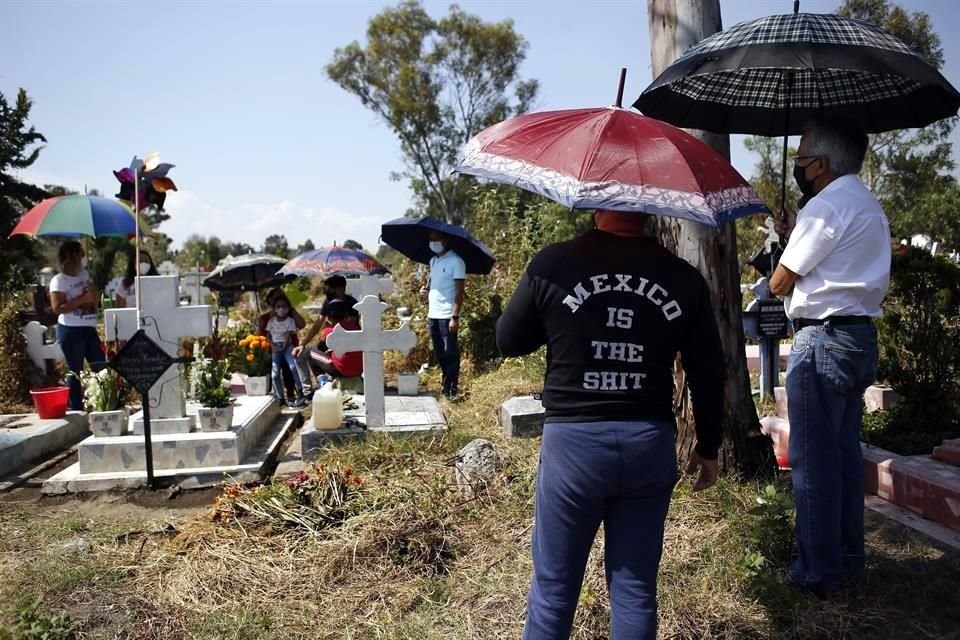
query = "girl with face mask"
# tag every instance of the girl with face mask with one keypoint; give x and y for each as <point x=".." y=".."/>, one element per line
<point x="74" y="298"/>
<point x="126" y="293"/>
<point x="282" y="333"/>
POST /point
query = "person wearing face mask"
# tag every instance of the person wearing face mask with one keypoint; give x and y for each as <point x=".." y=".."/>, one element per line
<point x="282" y="331"/>
<point x="126" y="293"/>
<point x="445" y="303"/>
<point x="272" y="296"/>
<point x="834" y="274"/>
<point x="74" y="297"/>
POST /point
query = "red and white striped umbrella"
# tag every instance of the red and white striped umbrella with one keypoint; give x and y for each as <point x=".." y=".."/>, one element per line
<point x="615" y="159"/>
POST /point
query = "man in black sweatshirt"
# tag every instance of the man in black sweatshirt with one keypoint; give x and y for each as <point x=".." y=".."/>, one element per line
<point x="613" y="308"/>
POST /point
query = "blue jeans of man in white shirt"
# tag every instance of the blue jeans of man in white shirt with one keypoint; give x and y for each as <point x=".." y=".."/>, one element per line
<point x="830" y="367"/>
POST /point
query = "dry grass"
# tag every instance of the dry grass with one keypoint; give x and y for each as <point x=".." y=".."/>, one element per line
<point x="414" y="558"/>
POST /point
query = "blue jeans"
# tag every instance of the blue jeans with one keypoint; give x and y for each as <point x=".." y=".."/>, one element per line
<point x="448" y="354"/>
<point x="285" y="360"/>
<point x="79" y="344"/>
<point x="621" y="474"/>
<point x="829" y="369"/>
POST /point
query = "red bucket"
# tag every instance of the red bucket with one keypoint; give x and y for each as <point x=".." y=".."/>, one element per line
<point x="51" y="402"/>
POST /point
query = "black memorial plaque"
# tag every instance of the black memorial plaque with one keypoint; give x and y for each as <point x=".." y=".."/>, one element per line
<point x="141" y="362"/>
<point x="773" y="320"/>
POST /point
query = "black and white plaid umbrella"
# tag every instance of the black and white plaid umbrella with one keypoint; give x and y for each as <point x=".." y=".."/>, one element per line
<point x="770" y="76"/>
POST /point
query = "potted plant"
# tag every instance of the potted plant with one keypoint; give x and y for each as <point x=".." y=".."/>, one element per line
<point x="255" y="362"/>
<point x="104" y="396"/>
<point x="211" y="391"/>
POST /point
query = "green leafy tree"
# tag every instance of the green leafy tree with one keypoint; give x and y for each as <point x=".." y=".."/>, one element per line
<point x="911" y="170"/>
<point x="19" y="256"/>
<point x="277" y="245"/>
<point x="353" y="244"/>
<point x="206" y="252"/>
<point x="306" y="246"/>
<point x="435" y="83"/>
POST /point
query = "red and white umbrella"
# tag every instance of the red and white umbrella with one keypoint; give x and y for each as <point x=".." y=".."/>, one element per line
<point x="614" y="159"/>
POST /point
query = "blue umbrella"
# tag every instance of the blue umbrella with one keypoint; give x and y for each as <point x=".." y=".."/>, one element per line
<point x="411" y="237"/>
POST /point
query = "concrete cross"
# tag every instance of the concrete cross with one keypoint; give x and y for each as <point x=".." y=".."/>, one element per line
<point x="372" y="340"/>
<point x="366" y="285"/>
<point x="38" y="348"/>
<point x="166" y="322"/>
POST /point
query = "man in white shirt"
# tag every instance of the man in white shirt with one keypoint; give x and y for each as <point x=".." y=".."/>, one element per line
<point x="834" y="274"/>
<point x="447" y="276"/>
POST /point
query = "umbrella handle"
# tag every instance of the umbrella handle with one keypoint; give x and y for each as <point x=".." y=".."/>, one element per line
<point x="623" y="78"/>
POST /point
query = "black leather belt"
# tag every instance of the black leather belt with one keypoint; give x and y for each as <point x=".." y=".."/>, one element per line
<point x="800" y="323"/>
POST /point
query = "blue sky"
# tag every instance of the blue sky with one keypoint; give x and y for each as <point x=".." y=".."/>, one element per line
<point x="235" y="95"/>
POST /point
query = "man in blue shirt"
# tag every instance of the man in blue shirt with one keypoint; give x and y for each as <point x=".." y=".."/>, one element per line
<point x="445" y="296"/>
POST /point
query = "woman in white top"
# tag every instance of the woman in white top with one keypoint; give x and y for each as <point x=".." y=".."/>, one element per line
<point x="74" y="297"/>
<point x="126" y="293"/>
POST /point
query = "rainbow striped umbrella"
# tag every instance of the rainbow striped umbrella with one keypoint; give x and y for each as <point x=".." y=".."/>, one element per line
<point x="78" y="215"/>
<point x="333" y="261"/>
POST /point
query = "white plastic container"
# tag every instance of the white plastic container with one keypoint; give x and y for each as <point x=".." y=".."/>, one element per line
<point x="327" y="408"/>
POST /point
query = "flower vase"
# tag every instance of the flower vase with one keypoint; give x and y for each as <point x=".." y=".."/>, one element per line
<point x="408" y="384"/>
<point x="257" y="385"/>
<point x="215" y="419"/>
<point x="107" y="424"/>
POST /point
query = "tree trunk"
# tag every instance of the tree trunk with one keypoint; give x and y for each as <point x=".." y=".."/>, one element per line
<point x="675" y="26"/>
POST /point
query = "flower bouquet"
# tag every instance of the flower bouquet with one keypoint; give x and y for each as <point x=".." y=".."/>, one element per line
<point x="207" y="377"/>
<point x="255" y="361"/>
<point x="104" y="396"/>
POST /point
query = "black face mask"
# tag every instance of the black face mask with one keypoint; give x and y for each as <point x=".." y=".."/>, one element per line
<point x="800" y="175"/>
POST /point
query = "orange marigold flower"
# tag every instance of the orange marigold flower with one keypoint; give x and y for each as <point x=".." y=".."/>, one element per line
<point x="347" y="471"/>
<point x="249" y="357"/>
<point x="357" y="480"/>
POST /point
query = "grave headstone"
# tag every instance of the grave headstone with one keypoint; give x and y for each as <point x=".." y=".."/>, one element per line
<point x="165" y="322"/>
<point x="38" y="348"/>
<point x="366" y="285"/>
<point x="522" y="417"/>
<point x="372" y="340"/>
<point x="192" y="290"/>
<point x="167" y="268"/>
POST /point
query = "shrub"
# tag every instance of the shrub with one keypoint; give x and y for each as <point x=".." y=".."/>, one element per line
<point x="14" y="384"/>
<point x="919" y="340"/>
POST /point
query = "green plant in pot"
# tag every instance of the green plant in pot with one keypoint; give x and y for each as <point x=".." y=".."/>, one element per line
<point x="104" y="396"/>
<point x="211" y="390"/>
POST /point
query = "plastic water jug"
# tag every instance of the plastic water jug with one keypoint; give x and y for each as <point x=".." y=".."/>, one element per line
<point x="327" y="408"/>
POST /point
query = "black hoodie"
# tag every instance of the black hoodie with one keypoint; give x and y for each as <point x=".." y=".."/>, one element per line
<point x="614" y="311"/>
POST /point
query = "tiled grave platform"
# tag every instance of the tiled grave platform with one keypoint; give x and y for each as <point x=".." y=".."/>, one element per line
<point x="190" y="459"/>
<point x="26" y="438"/>
<point x="405" y="415"/>
<point x="926" y="485"/>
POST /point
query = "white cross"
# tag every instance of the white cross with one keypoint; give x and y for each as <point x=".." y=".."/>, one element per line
<point x="366" y="285"/>
<point x="166" y="322"/>
<point x="372" y="340"/>
<point x="38" y="348"/>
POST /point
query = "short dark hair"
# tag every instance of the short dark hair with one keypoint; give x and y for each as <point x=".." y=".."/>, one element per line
<point x="336" y="282"/>
<point x="67" y="250"/>
<point x="842" y="142"/>
<point x="337" y="310"/>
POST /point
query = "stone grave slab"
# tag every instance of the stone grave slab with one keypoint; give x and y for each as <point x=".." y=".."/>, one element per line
<point x="948" y="452"/>
<point x="405" y="415"/>
<point x="753" y="356"/>
<point x="26" y="438"/>
<point x="918" y="483"/>
<point x="119" y="462"/>
<point x="522" y="417"/>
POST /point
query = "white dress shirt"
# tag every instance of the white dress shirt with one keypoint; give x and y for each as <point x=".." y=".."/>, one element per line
<point x="840" y="249"/>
